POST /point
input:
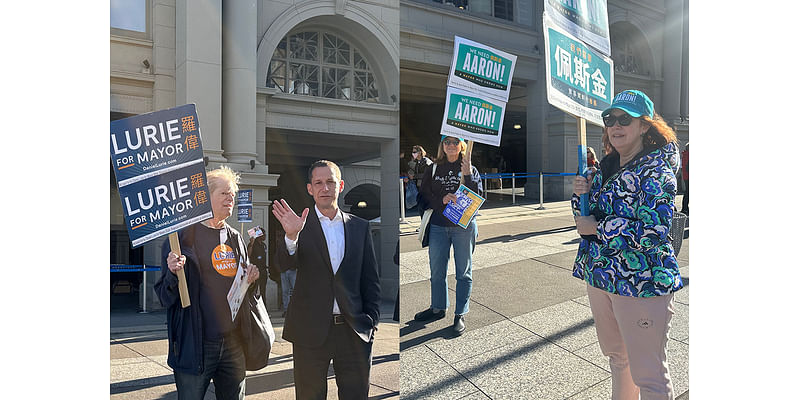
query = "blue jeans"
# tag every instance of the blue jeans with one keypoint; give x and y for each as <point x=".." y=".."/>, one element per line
<point x="463" y="243"/>
<point x="223" y="361"/>
<point x="288" y="279"/>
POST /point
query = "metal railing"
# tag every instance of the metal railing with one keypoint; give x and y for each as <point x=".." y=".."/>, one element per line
<point x="137" y="268"/>
<point x="514" y="175"/>
<point x="507" y="175"/>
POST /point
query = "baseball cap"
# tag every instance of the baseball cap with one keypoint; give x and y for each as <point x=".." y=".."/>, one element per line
<point x="444" y="136"/>
<point x="633" y="102"/>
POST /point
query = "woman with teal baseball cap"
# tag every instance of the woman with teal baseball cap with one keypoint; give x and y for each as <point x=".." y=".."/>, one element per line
<point x="451" y="168"/>
<point x="626" y="257"/>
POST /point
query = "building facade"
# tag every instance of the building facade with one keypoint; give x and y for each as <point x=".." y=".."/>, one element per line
<point x="281" y="83"/>
<point x="277" y="85"/>
<point x="649" y="45"/>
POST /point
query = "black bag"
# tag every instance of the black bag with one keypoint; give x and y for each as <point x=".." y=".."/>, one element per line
<point x="255" y="327"/>
<point x="676" y="231"/>
<point x="257" y="334"/>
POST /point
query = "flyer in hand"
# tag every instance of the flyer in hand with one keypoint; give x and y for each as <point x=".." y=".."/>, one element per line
<point x="238" y="290"/>
<point x="465" y="208"/>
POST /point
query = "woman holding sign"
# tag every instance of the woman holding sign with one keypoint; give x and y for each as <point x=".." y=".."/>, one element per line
<point x="451" y="168"/>
<point x="625" y="256"/>
<point x="205" y="342"/>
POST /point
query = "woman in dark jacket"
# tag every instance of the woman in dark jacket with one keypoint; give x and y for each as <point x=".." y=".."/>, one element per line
<point x="441" y="180"/>
<point x="205" y="342"/>
<point x="625" y="257"/>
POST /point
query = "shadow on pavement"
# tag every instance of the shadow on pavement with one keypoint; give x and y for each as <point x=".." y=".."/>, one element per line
<point x="494" y="362"/>
<point x="523" y="236"/>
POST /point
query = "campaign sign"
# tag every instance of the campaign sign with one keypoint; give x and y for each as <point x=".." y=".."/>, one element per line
<point x="586" y="20"/>
<point x="580" y="80"/>
<point x="481" y="69"/>
<point x="244" y="197"/>
<point x="465" y="207"/>
<point x="158" y="162"/>
<point x="244" y="213"/>
<point x="146" y="145"/>
<point x="471" y="117"/>
<point x="165" y="203"/>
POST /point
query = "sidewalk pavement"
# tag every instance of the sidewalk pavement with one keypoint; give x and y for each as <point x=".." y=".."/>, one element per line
<point x="139" y="361"/>
<point x="530" y="332"/>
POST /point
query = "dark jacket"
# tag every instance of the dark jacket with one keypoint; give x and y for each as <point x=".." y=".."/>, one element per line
<point x="185" y="325"/>
<point x="444" y="181"/>
<point x="356" y="284"/>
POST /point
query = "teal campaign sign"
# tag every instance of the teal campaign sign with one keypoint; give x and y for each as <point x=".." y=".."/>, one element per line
<point x="473" y="117"/>
<point x="481" y="69"/>
<point x="580" y="80"/>
<point x="586" y="20"/>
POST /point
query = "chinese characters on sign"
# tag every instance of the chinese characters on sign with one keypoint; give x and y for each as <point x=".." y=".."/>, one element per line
<point x="580" y="79"/>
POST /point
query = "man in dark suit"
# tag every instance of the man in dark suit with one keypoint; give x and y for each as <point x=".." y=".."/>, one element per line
<point x="334" y="310"/>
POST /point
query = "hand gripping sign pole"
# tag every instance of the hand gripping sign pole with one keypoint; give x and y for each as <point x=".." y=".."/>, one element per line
<point x="582" y="168"/>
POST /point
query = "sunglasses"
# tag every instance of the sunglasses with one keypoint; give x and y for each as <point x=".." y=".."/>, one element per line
<point x="451" y="142"/>
<point x="624" y="120"/>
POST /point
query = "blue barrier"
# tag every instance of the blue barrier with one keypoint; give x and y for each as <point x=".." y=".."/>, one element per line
<point x="525" y="175"/>
<point x="133" y="268"/>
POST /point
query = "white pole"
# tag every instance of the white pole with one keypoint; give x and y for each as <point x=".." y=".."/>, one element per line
<point x="402" y="203"/>
<point x="144" y="289"/>
<point x="541" y="191"/>
<point x="513" y="188"/>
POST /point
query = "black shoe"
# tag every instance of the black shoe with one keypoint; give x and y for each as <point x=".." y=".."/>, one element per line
<point x="428" y="315"/>
<point x="458" y="325"/>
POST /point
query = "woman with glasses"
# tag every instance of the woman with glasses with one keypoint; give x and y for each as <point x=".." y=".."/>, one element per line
<point x="419" y="162"/>
<point x="439" y="183"/>
<point x="625" y="256"/>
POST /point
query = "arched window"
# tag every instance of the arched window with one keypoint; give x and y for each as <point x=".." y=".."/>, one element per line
<point x="319" y="63"/>
<point x="629" y="50"/>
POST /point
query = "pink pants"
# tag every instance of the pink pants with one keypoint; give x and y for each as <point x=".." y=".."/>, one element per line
<point x="633" y="333"/>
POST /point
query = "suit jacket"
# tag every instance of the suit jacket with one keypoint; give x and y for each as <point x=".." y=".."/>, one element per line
<point x="355" y="286"/>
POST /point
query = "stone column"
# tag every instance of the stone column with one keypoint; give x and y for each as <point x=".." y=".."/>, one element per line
<point x="673" y="52"/>
<point x="390" y="215"/>
<point x="536" y="131"/>
<point x="239" y="22"/>
<point x="198" y="67"/>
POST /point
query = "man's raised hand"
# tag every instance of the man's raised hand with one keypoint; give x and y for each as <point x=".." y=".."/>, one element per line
<point x="292" y="223"/>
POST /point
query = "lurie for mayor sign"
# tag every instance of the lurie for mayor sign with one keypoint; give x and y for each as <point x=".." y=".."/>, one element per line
<point x="158" y="162"/>
<point x="580" y="80"/>
<point x="473" y="117"/>
<point x="481" y="69"/>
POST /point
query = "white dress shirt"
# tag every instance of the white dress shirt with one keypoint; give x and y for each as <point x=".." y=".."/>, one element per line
<point x="333" y="229"/>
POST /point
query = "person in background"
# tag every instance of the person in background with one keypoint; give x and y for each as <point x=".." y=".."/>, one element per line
<point x="453" y="166"/>
<point x="205" y="344"/>
<point x="257" y="252"/>
<point x="685" y="176"/>
<point x="419" y="162"/>
<point x="591" y="159"/>
<point x="625" y="256"/>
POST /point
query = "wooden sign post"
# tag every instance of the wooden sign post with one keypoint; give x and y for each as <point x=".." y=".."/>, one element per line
<point x="175" y="247"/>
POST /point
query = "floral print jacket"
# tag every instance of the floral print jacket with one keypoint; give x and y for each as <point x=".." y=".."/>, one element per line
<point x="632" y="255"/>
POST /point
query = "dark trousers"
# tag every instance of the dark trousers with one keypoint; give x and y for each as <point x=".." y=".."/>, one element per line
<point x="685" y="205"/>
<point x="223" y="361"/>
<point x="352" y="359"/>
